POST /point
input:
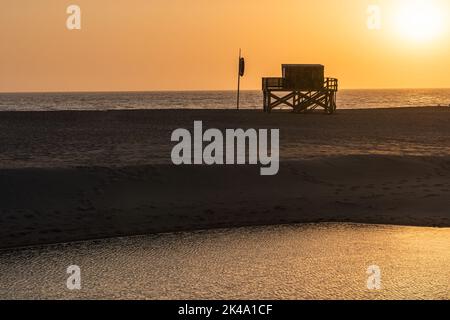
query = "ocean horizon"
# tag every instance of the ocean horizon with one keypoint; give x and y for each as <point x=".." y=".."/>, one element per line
<point x="250" y="99"/>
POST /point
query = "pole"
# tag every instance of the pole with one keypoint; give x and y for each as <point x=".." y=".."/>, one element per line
<point x="239" y="79"/>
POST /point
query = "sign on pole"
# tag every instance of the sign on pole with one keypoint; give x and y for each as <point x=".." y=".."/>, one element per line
<point x="241" y="73"/>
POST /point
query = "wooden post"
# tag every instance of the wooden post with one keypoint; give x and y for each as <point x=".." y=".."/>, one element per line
<point x="264" y="100"/>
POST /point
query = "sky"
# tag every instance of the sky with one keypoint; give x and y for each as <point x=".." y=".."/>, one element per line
<point x="145" y="45"/>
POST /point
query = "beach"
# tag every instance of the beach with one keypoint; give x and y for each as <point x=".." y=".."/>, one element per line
<point x="78" y="175"/>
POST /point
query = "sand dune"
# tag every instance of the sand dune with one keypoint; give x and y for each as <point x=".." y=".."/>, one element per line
<point x="80" y="175"/>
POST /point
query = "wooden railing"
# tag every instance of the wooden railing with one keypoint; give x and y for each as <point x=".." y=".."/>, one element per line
<point x="278" y="84"/>
<point x="331" y="84"/>
<point x="273" y="83"/>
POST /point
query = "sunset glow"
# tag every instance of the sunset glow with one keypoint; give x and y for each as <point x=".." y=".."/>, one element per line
<point x="141" y="45"/>
<point x="419" y="20"/>
<point x="225" y="158"/>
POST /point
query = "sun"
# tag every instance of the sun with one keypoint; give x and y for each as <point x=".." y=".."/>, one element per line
<point x="419" y="20"/>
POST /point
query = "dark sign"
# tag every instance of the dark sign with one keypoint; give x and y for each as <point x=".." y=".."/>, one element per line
<point x="241" y="66"/>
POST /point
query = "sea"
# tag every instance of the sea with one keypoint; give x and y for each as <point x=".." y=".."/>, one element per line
<point x="347" y="99"/>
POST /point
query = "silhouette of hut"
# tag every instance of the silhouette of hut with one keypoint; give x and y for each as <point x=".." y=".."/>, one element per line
<point x="303" y="87"/>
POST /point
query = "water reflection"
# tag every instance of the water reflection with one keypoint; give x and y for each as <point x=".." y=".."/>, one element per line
<point x="316" y="261"/>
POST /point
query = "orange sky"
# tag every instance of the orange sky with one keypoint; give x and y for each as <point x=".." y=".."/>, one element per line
<point x="192" y="44"/>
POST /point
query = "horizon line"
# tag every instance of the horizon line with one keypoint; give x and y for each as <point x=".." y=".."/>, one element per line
<point x="199" y="90"/>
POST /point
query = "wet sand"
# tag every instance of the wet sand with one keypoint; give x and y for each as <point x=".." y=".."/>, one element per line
<point x="67" y="176"/>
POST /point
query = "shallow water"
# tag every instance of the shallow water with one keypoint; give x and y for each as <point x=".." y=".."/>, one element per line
<point x="347" y="99"/>
<point x="314" y="261"/>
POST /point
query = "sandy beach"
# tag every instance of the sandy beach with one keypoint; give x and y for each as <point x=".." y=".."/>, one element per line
<point x="67" y="176"/>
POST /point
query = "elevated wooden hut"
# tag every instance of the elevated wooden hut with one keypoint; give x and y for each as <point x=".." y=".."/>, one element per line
<point x="303" y="88"/>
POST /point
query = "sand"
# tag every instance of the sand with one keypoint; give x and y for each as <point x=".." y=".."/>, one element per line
<point x="68" y="176"/>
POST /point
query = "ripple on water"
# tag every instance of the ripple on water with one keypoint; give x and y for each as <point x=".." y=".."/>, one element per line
<point x="314" y="261"/>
